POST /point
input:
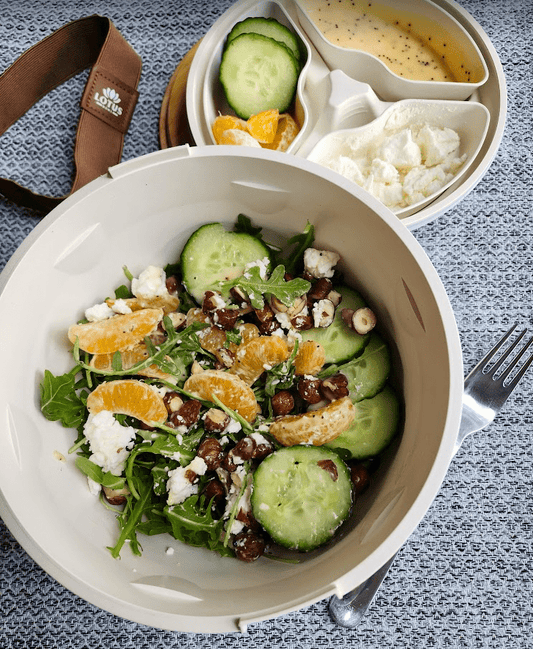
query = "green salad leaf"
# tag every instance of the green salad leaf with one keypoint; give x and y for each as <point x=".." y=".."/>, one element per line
<point x="256" y="287"/>
<point x="60" y="401"/>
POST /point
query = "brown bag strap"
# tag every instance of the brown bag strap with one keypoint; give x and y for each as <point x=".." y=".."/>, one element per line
<point x="107" y="104"/>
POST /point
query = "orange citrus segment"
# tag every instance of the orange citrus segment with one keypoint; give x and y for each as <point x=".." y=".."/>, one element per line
<point x="117" y="333"/>
<point x="128" y="397"/>
<point x="225" y="122"/>
<point x="257" y="355"/>
<point x="129" y="358"/>
<point x="264" y="125"/>
<point x="310" y="358"/>
<point x="168" y="303"/>
<point x="237" y="137"/>
<point x="316" y="426"/>
<point x="285" y="134"/>
<point x="231" y="390"/>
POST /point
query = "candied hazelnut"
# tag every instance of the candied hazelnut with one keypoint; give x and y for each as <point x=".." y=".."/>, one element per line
<point x="282" y="403"/>
<point x="179" y="320"/>
<point x="248" y="546"/>
<point x="265" y="314"/>
<point x="212" y="301"/>
<point x="173" y="284"/>
<point x="244" y="448"/>
<point x="262" y="449"/>
<point x="212" y="453"/>
<point x="215" y="420"/>
<point x="360" y="477"/>
<point x="225" y="357"/>
<point x="267" y="328"/>
<point x="320" y="289"/>
<point x="309" y="389"/>
<point x="335" y="297"/>
<point x="214" y="490"/>
<point x="225" y="318"/>
<point x="302" y="322"/>
<point x="172" y="401"/>
<point x="187" y="415"/>
<point x="335" y="387"/>
<point x="330" y="467"/>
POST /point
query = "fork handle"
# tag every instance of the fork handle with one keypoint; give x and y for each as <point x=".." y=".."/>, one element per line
<point x="351" y="609"/>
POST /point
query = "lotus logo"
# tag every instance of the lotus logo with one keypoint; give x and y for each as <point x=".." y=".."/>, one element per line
<point x="109" y="100"/>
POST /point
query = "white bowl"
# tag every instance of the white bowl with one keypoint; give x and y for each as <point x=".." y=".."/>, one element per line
<point x="203" y="98"/>
<point x="141" y="213"/>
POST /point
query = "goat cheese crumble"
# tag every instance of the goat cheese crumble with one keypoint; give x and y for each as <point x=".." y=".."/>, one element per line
<point x="109" y="441"/>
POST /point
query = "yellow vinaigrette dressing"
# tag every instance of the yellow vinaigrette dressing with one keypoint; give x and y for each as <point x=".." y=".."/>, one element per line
<point x="356" y="25"/>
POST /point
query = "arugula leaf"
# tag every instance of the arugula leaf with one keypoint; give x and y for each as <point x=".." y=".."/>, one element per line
<point x="59" y="401"/>
<point x="122" y="292"/>
<point x="193" y="524"/>
<point x="256" y="287"/>
<point x="96" y="473"/>
<point x="303" y="241"/>
<point x="244" y="225"/>
<point x="131" y="517"/>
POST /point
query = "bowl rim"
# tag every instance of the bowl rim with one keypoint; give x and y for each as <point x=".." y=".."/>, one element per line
<point x="431" y="485"/>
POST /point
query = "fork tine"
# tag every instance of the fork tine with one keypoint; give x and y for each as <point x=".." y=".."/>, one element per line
<point x="490" y="354"/>
<point x="505" y="355"/>
<point x="522" y="370"/>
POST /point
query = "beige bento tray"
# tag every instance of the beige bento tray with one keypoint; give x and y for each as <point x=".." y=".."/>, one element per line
<point x="316" y="88"/>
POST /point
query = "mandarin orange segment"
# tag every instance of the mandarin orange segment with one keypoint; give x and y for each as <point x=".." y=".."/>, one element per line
<point x="315" y="427"/>
<point x="169" y="303"/>
<point x="258" y="355"/>
<point x="286" y="132"/>
<point x="129" y="358"/>
<point x="264" y="125"/>
<point x="231" y="390"/>
<point x="212" y="339"/>
<point x="128" y="397"/>
<point x="118" y="333"/>
<point x="225" y="122"/>
<point x="310" y="358"/>
<point x="248" y="331"/>
<point x="237" y="137"/>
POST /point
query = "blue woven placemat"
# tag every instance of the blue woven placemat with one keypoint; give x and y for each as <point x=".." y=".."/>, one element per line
<point x="464" y="579"/>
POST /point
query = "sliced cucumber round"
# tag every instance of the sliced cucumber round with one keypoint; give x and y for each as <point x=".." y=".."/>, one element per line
<point x="339" y="341"/>
<point x="268" y="27"/>
<point x="258" y="73"/>
<point x="368" y="373"/>
<point x="213" y="255"/>
<point x="375" y="424"/>
<point x="301" y="494"/>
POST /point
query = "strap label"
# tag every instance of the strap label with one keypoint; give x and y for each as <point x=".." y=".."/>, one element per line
<point x="109" y="99"/>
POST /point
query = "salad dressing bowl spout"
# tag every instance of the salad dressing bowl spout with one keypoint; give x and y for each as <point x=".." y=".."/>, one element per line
<point x="141" y="213"/>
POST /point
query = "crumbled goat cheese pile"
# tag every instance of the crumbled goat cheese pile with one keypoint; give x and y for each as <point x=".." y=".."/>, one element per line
<point x="399" y="168"/>
<point x="110" y="442"/>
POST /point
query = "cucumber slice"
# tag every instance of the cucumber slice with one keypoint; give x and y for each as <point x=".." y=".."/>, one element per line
<point x="258" y="73"/>
<point x="301" y="495"/>
<point x="268" y="27"/>
<point x="339" y="341"/>
<point x="368" y="373"/>
<point x="375" y="424"/>
<point x="213" y="255"/>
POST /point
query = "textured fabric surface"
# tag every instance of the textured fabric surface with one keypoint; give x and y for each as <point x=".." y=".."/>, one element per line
<point x="464" y="578"/>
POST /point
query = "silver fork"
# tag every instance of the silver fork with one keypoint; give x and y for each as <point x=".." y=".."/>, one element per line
<point x="485" y="391"/>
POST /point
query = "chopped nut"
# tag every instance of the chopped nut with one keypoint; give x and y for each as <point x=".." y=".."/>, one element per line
<point x="212" y="453"/>
<point x="282" y="403"/>
<point x="178" y="319"/>
<point x="320" y="289"/>
<point x="173" y="401"/>
<point x="215" y="420"/>
<point x="116" y="496"/>
<point x="309" y="389"/>
<point x="187" y="415"/>
<point x="335" y="387"/>
<point x="212" y="301"/>
<point x="323" y="313"/>
<point x="335" y="297"/>
<point x="225" y="318"/>
<point x="225" y="356"/>
<point x="248" y="546"/>
<point x="364" y="320"/>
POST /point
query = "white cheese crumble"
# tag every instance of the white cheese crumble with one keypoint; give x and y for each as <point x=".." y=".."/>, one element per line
<point x="262" y="264"/>
<point x="151" y="283"/>
<point x="110" y="443"/>
<point x="94" y="487"/>
<point x="98" y="312"/>
<point x="179" y="486"/>
<point x="120" y="306"/>
<point x="401" y="166"/>
<point x="320" y="263"/>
